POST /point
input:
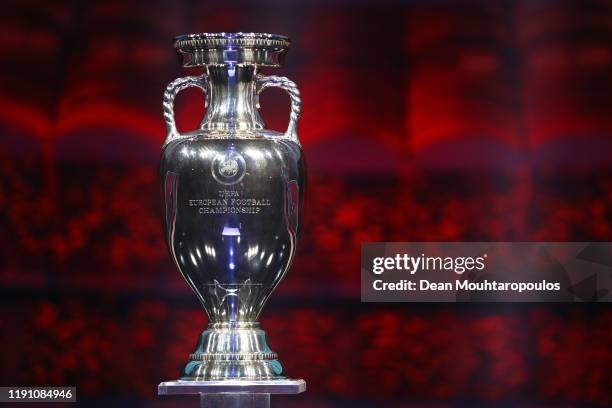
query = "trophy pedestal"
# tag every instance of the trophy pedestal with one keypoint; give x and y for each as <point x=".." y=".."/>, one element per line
<point x="232" y="393"/>
<point x="232" y="351"/>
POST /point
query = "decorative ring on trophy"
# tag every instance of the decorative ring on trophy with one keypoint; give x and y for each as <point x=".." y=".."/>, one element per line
<point x="231" y="356"/>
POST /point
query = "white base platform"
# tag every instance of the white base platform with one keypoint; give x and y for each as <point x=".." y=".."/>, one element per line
<point x="180" y="387"/>
<point x="232" y="393"/>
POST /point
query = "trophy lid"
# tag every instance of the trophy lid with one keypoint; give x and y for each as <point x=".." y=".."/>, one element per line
<point x="227" y="48"/>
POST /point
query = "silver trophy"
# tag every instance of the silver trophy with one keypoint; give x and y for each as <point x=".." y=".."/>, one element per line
<point x="232" y="193"/>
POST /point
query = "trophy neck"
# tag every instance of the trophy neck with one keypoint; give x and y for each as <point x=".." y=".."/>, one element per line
<point x="232" y="98"/>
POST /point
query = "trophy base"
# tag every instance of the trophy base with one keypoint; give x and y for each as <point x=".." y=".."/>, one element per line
<point x="233" y="393"/>
<point x="180" y="387"/>
<point x="233" y="351"/>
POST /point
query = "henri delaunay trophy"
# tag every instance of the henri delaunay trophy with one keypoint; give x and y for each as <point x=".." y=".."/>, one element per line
<point x="232" y="193"/>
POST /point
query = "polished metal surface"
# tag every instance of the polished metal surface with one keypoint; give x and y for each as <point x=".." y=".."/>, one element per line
<point x="232" y="102"/>
<point x="232" y="194"/>
<point x="238" y="48"/>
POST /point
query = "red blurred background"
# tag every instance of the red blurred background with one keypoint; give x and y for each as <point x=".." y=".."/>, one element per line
<point x="445" y="120"/>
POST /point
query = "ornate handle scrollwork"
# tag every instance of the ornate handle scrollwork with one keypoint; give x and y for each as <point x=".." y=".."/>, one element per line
<point x="172" y="90"/>
<point x="290" y="87"/>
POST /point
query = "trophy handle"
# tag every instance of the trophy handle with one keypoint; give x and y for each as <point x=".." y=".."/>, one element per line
<point x="290" y="87"/>
<point x="172" y="90"/>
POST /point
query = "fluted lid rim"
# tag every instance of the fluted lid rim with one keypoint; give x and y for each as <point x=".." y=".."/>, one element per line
<point x="215" y="41"/>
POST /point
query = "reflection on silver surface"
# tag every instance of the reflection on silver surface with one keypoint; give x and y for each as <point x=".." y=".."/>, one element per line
<point x="232" y="193"/>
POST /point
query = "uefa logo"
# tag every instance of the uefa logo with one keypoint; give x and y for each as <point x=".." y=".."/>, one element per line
<point x="228" y="168"/>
